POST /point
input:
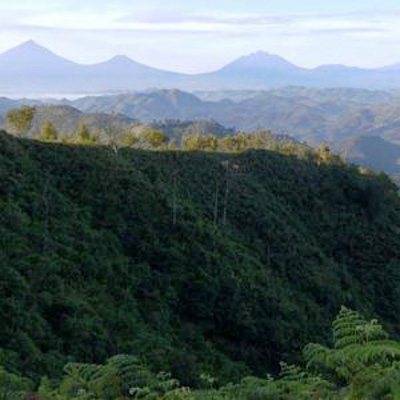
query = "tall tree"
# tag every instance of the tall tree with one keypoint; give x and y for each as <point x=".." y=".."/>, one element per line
<point x="21" y="119"/>
<point x="155" y="138"/>
<point x="48" y="132"/>
<point x="200" y="142"/>
<point x="84" y="135"/>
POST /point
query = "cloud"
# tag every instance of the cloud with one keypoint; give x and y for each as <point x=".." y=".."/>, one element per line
<point x="345" y="31"/>
<point x="185" y="18"/>
<point x="26" y="28"/>
<point x="185" y="22"/>
<point x="178" y="17"/>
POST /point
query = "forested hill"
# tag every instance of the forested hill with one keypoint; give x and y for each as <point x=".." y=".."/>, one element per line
<point x="194" y="262"/>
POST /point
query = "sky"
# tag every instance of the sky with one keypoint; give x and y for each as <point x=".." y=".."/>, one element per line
<point x="198" y="36"/>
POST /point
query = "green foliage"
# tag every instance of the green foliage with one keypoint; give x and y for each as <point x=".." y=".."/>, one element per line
<point x="21" y="119"/>
<point x="125" y="377"/>
<point x="154" y="138"/>
<point x="324" y="155"/>
<point x="371" y="363"/>
<point x="48" y="132"/>
<point x="199" y="142"/>
<point x="84" y="136"/>
<point x="121" y="377"/>
<point x="92" y="264"/>
<point x="13" y="387"/>
<point x="362" y="356"/>
<point x="128" y="139"/>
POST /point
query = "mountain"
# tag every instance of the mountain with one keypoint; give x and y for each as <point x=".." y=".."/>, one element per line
<point x="314" y="115"/>
<point x="372" y="152"/>
<point x="260" y="62"/>
<point x="93" y="264"/>
<point x="122" y="74"/>
<point x="31" y="59"/>
<point x="148" y="106"/>
<point x="310" y="114"/>
<point x="393" y="67"/>
<point x="257" y="71"/>
<point x="31" y="70"/>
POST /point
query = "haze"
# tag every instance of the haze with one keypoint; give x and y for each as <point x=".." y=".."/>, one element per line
<point x="200" y="36"/>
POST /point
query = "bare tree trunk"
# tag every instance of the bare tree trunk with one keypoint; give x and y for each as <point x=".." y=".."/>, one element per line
<point x="174" y="202"/>
<point x="216" y="204"/>
<point x="46" y="215"/>
<point x="226" y="199"/>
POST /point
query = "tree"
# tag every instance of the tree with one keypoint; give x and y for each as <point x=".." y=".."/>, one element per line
<point x="325" y="156"/>
<point x="358" y="345"/>
<point x="112" y="133"/>
<point x="83" y="132"/>
<point x="48" y="132"/>
<point x="154" y="138"/>
<point x="21" y="119"/>
<point x="200" y="142"/>
<point x="13" y="386"/>
<point x="84" y="136"/>
<point x="128" y="139"/>
<point x="233" y="143"/>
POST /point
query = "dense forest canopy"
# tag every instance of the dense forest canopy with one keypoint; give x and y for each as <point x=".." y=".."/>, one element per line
<point x="194" y="262"/>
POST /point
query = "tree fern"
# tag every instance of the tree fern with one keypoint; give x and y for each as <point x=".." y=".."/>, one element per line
<point x="80" y="380"/>
<point x="358" y="345"/>
<point x="346" y="328"/>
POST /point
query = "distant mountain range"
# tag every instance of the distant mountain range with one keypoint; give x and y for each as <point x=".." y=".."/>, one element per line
<point x="307" y="114"/>
<point x="30" y="69"/>
<point x="312" y="115"/>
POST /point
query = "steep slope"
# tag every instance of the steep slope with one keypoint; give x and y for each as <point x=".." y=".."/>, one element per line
<point x="92" y="264"/>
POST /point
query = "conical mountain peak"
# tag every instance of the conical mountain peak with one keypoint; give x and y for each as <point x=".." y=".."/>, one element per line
<point x="260" y="60"/>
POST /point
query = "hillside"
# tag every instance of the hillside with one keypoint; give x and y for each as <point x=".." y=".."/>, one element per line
<point x="372" y="152"/>
<point x="313" y="115"/>
<point x="93" y="264"/>
<point x="331" y="115"/>
<point x="67" y="120"/>
<point x="342" y="118"/>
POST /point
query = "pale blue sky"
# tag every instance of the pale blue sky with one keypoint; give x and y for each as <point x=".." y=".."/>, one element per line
<point x="196" y="36"/>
